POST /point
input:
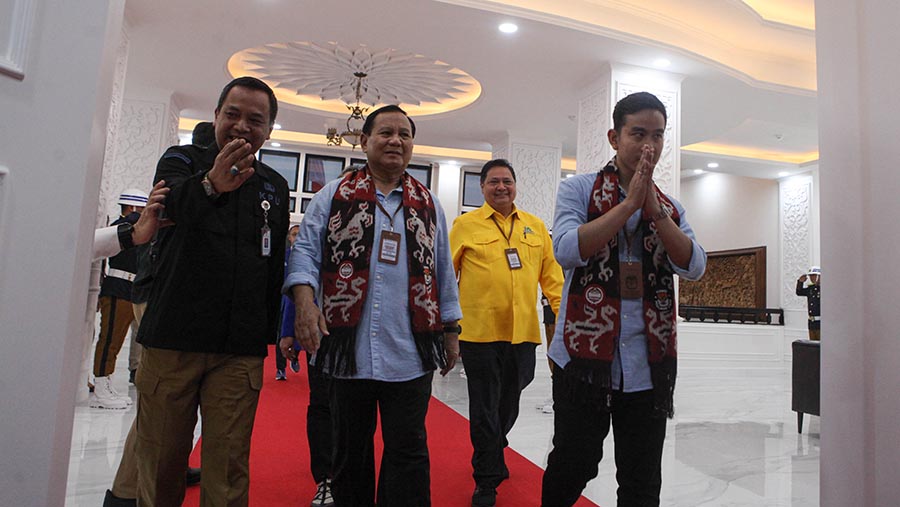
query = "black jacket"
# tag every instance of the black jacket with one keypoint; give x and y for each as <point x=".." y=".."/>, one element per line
<point x="212" y="289"/>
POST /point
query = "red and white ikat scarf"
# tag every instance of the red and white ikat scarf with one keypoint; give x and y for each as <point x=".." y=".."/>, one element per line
<point x="593" y="305"/>
<point x="345" y="269"/>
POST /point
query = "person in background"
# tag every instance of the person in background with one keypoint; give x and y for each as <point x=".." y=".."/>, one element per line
<point x="116" y="314"/>
<point x="501" y="254"/>
<point x="813" y="294"/>
<point x="287" y="325"/>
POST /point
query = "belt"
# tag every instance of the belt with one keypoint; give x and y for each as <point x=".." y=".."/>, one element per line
<point x="118" y="273"/>
<point x="814" y="318"/>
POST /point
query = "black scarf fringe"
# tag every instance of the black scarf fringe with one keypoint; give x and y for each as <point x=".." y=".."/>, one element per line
<point x="337" y="352"/>
<point x="430" y="346"/>
<point x="663" y="377"/>
<point x="587" y="381"/>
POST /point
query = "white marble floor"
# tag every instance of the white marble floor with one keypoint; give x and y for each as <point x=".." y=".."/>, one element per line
<point x="733" y="441"/>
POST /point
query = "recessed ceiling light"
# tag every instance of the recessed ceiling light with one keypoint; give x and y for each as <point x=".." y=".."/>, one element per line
<point x="508" y="28"/>
<point x="276" y="145"/>
<point x="698" y="171"/>
<point x="712" y="165"/>
<point x="782" y="174"/>
<point x="661" y="63"/>
<point x="277" y="126"/>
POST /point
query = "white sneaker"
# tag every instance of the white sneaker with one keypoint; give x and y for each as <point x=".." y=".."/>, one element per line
<point x="123" y="397"/>
<point x="105" y="397"/>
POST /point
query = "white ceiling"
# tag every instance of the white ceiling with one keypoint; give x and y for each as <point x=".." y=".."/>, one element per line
<point x="531" y="80"/>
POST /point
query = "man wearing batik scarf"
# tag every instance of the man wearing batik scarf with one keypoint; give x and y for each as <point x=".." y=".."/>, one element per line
<point x="620" y="241"/>
<point x="373" y="250"/>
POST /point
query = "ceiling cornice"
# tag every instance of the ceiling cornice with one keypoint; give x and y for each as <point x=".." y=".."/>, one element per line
<point x="730" y="34"/>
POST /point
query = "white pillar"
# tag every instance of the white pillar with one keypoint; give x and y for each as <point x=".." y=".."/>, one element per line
<point x="538" y="168"/>
<point x="595" y="119"/>
<point x="859" y="106"/>
<point x="52" y="140"/>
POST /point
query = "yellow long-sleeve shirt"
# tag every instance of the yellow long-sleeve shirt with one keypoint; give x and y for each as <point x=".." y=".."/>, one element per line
<point x="499" y="303"/>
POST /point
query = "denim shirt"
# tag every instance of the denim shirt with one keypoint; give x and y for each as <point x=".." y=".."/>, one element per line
<point x="630" y="370"/>
<point x="385" y="349"/>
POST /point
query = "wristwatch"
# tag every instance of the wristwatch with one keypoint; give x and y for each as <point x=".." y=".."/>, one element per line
<point x="208" y="186"/>
<point x="453" y="329"/>
<point x="125" y="231"/>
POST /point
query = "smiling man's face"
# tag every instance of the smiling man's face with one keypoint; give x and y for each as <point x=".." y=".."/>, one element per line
<point x="390" y="146"/>
<point x="244" y="114"/>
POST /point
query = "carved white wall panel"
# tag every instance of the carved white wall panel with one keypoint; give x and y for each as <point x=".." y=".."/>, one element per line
<point x="537" y="175"/>
<point x="795" y="201"/>
<point x="594" y="120"/>
<point x="137" y="151"/>
<point x="108" y="194"/>
<point x="666" y="174"/>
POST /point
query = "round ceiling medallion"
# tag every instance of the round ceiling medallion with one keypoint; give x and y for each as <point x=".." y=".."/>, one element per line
<point x="325" y="77"/>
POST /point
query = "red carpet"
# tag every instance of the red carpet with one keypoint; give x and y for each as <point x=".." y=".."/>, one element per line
<point x="279" y="473"/>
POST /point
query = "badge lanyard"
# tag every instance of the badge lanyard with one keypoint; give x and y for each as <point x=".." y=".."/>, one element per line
<point x="265" y="233"/>
<point x="631" y="282"/>
<point x="512" y="254"/>
<point x="389" y="245"/>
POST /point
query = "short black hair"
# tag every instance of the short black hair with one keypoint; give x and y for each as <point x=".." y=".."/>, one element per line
<point x="635" y="103"/>
<point x="253" y="84"/>
<point x="390" y="108"/>
<point x="497" y="162"/>
<point x="204" y="134"/>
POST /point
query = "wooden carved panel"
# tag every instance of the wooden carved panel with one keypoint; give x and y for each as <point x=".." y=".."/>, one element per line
<point x="734" y="278"/>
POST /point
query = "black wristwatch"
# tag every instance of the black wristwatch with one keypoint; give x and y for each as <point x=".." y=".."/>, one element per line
<point x="453" y="329"/>
<point x="125" y="232"/>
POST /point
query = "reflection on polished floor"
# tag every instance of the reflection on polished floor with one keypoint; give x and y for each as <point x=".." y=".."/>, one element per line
<point x="733" y="441"/>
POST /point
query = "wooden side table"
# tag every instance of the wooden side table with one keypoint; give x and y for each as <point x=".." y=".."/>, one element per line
<point x="805" y="379"/>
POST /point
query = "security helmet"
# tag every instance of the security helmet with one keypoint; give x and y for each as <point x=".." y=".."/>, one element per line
<point x="133" y="197"/>
<point x="814" y="270"/>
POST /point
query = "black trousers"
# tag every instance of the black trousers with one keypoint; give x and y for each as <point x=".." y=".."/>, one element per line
<point x="405" y="476"/>
<point x="496" y="374"/>
<point x="318" y="423"/>
<point x="579" y="432"/>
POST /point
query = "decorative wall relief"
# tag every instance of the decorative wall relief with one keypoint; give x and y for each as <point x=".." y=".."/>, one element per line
<point x="733" y="278"/>
<point x="594" y="119"/>
<point x="537" y="175"/>
<point x="795" y="199"/>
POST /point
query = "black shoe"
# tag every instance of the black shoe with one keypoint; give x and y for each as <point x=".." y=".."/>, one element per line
<point x="111" y="500"/>
<point x="484" y="497"/>
<point x="131" y="374"/>
<point x="192" y="476"/>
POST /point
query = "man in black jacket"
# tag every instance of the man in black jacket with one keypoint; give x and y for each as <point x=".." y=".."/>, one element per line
<point x="813" y="294"/>
<point x="214" y="304"/>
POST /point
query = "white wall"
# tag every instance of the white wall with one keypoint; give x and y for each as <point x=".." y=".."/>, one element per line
<point x="729" y="212"/>
<point x="52" y="139"/>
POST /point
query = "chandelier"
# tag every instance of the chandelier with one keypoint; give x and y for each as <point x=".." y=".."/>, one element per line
<point x="354" y="123"/>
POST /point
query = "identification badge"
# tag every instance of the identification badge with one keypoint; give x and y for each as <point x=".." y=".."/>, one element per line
<point x="512" y="258"/>
<point x="632" y="286"/>
<point x="266" y="241"/>
<point x="389" y="247"/>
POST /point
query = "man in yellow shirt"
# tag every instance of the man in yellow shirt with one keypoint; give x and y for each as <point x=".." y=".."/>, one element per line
<point x="500" y="254"/>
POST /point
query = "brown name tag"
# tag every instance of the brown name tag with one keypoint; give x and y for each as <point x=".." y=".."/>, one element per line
<point x="631" y="285"/>
<point x="389" y="247"/>
<point x="512" y="258"/>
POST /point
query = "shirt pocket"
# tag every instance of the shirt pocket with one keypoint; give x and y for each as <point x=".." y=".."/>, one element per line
<point x="533" y="246"/>
<point x="489" y="247"/>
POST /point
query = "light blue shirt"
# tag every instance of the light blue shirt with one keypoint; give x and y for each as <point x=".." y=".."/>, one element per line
<point x="385" y="349"/>
<point x="630" y="370"/>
